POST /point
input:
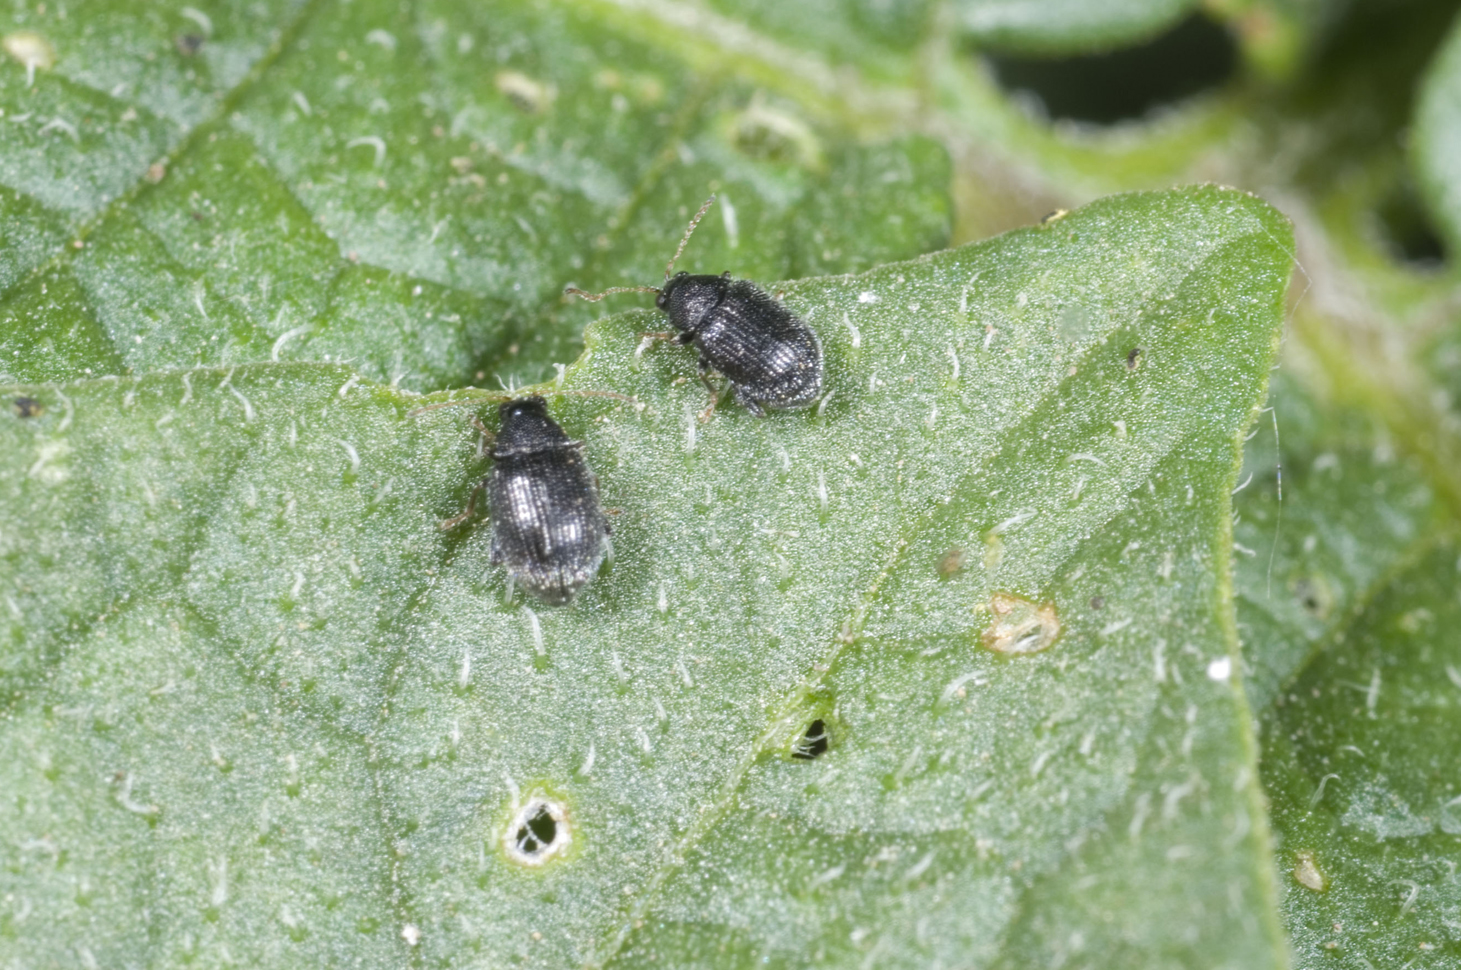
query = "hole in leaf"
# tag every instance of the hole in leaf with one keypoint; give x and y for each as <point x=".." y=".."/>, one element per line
<point x="1197" y="55"/>
<point x="772" y="133"/>
<point x="813" y="743"/>
<point x="1314" y="595"/>
<point x="539" y="832"/>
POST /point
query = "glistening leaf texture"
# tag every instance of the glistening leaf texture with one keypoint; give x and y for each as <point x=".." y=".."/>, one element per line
<point x="1344" y="593"/>
<point x="1061" y="26"/>
<point x="403" y="188"/>
<point x="259" y="708"/>
<point x="1438" y="137"/>
<point x="1355" y="758"/>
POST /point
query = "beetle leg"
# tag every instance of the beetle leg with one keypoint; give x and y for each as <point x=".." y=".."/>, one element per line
<point x="711" y="388"/>
<point x="746" y="401"/>
<point x="457" y="520"/>
<point x="488" y="437"/>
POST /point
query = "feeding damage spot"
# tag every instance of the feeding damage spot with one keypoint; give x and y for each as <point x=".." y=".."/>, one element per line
<point x="771" y="134"/>
<point x="1020" y="626"/>
<point x="30" y="49"/>
<point x="813" y="743"/>
<point x="532" y="97"/>
<point x="950" y="562"/>
<point x="539" y="832"/>
<point x="1314" y="595"/>
<point x="29" y="407"/>
<point x="1307" y="874"/>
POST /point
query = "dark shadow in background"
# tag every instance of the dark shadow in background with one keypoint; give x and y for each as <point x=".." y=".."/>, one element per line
<point x="1348" y="104"/>
<point x="1359" y="88"/>
<point x="1407" y="229"/>
<point x="1123" y="85"/>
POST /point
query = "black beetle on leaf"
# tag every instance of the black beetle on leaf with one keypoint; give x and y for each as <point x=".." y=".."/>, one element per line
<point x="770" y="357"/>
<point x="548" y="529"/>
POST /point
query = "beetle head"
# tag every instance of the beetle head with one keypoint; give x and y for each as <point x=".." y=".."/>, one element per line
<point x="526" y="426"/>
<point x="687" y="299"/>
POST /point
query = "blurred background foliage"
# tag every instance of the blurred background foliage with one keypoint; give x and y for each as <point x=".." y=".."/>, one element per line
<point x="1347" y="117"/>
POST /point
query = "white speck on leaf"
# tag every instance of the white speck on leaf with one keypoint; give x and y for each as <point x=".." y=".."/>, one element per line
<point x="30" y="49"/>
<point x="1307" y="872"/>
<point x="63" y="126"/>
<point x="44" y="468"/>
<point x="354" y="455"/>
<point x="283" y="339"/>
<point x="200" y="18"/>
<point x="375" y="142"/>
<point x="732" y="224"/>
<point x="826" y="877"/>
<point x="382" y="38"/>
<point x="536" y="630"/>
<point x="248" y="408"/>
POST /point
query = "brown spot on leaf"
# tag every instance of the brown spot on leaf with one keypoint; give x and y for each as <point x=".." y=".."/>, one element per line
<point x="1020" y="626"/>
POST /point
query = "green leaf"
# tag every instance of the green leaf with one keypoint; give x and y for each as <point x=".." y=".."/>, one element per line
<point x="1436" y="143"/>
<point x="259" y="707"/>
<point x="1359" y="765"/>
<point x="1327" y="511"/>
<point x="1066" y="26"/>
<point x="407" y="190"/>
<point x="1343" y="620"/>
<point x="877" y="38"/>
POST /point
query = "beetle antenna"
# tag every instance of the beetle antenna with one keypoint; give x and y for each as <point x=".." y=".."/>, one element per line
<point x="688" y="230"/>
<point x="596" y="297"/>
<point x="669" y="268"/>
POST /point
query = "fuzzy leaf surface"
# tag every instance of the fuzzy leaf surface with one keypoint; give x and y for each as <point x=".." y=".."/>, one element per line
<point x="1346" y="589"/>
<point x="406" y="189"/>
<point x="257" y="705"/>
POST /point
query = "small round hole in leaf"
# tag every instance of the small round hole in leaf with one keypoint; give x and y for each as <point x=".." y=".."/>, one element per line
<point x="813" y="743"/>
<point x="540" y="831"/>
